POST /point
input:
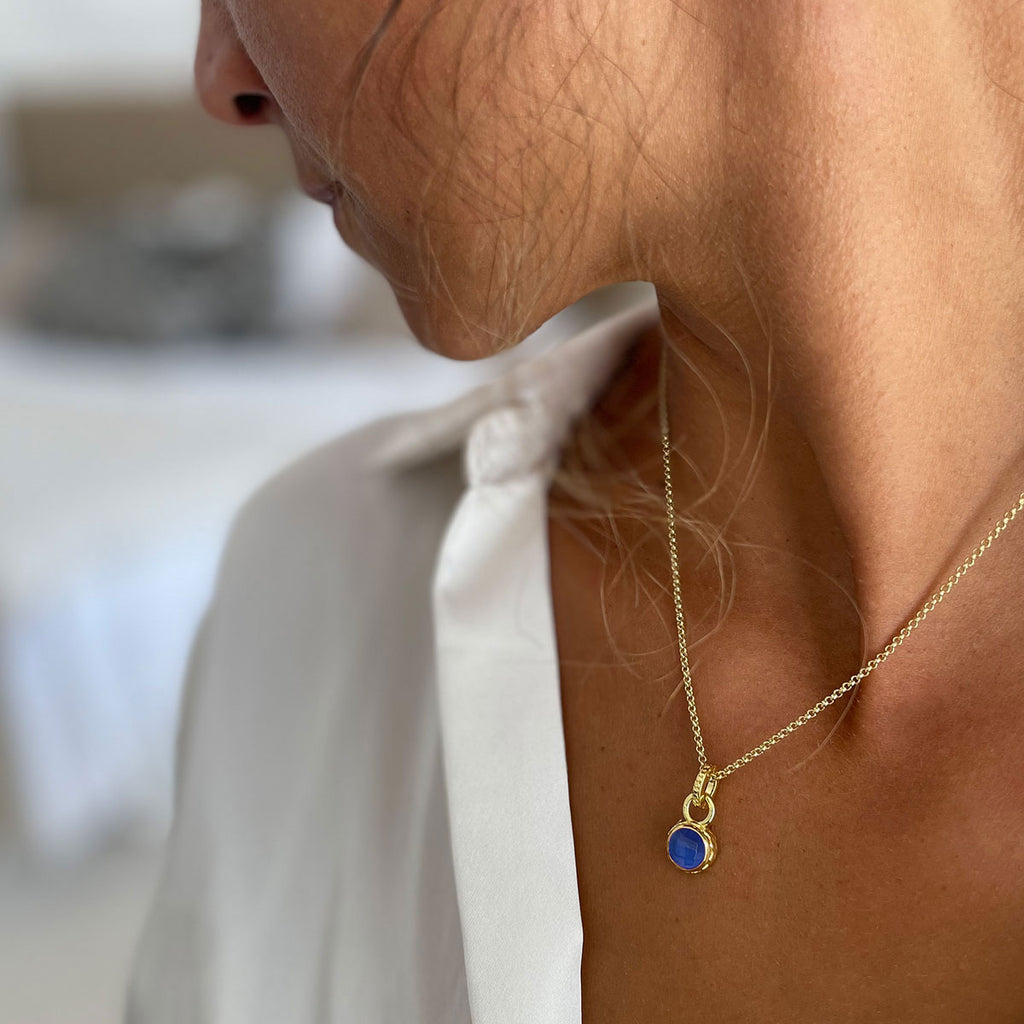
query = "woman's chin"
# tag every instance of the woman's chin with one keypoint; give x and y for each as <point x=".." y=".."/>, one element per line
<point x="442" y="329"/>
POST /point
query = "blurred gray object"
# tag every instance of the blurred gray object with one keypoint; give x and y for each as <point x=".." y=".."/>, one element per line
<point x="163" y="263"/>
<point x="74" y="149"/>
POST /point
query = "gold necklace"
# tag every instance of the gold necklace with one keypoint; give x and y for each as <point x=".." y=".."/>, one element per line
<point x="692" y="846"/>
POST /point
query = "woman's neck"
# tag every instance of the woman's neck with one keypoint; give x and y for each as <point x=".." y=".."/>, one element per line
<point x="866" y="267"/>
<point x="883" y="476"/>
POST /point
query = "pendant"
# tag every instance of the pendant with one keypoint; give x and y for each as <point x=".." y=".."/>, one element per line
<point x="691" y="844"/>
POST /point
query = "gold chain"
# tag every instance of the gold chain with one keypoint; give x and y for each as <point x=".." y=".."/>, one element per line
<point x="711" y="772"/>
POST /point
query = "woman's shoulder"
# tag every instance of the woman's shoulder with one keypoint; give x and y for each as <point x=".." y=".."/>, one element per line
<point x="308" y="709"/>
<point x="318" y="554"/>
<point x="333" y="480"/>
<point x="311" y="800"/>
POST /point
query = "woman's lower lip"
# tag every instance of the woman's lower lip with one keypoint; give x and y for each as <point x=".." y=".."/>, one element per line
<point x="325" y="195"/>
<point x="349" y="229"/>
<point x="340" y="221"/>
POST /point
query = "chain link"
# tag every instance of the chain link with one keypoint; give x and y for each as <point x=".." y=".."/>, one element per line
<point x="862" y="673"/>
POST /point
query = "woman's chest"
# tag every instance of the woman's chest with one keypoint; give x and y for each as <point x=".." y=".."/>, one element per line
<point x="878" y="881"/>
<point x="823" y="903"/>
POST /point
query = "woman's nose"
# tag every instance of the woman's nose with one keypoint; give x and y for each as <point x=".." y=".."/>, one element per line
<point x="229" y="86"/>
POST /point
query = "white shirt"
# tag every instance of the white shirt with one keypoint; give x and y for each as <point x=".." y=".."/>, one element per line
<point x="372" y="819"/>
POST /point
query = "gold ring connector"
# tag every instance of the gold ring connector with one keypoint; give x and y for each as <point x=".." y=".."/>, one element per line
<point x="704" y="785"/>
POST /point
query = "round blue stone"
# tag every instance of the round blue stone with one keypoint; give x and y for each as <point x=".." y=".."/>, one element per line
<point x="687" y="848"/>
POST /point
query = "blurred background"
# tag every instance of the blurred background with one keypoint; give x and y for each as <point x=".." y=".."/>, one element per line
<point x="176" y="322"/>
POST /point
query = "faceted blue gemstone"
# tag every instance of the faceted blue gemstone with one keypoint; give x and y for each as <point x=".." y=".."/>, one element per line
<point x="687" y="848"/>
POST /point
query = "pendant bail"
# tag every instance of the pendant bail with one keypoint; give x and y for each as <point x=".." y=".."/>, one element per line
<point x="692" y="846"/>
<point x="705" y="784"/>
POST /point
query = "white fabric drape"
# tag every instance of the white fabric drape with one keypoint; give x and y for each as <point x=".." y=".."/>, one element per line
<point x="373" y="818"/>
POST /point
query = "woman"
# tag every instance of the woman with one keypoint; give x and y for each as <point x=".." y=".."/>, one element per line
<point x="438" y="730"/>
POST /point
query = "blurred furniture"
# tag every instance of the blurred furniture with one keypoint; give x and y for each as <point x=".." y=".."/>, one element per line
<point x="119" y="475"/>
<point x="71" y="151"/>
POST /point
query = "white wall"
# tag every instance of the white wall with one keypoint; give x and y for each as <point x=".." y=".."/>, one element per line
<point x="97" y="45"/>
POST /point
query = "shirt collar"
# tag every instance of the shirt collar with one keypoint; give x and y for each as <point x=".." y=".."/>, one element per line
<point x="498" y="678"/>
<point x="515" y="423"/>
